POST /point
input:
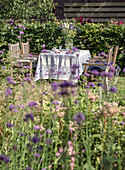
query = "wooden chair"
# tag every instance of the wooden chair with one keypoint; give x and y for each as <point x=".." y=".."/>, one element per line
<point x="94" y="63"/>
<point x="25" y="48"/>
<point x="14" y="51"/>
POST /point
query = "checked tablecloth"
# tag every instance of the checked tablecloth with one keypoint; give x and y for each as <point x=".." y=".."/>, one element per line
<point x="59" y="65"/>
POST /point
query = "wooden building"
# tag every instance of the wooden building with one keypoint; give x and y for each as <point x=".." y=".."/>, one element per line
<point x="98" y="10"/>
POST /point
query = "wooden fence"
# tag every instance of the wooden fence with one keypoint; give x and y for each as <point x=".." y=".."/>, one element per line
<point x="99" y="12"/>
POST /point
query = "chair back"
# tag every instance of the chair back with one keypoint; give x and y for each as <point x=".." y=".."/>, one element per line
<point x="109" y="59"/>
<point x="14" y="50"/>
<point x="115" y="55"/>
<point x="25" y="48"/>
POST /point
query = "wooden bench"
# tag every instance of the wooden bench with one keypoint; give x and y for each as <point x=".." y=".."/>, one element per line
<point x="99" y="12"/>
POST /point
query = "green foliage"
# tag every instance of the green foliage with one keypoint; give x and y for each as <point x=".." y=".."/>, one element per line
<point x="94" y="37"/>
<point x="19" y="9"/>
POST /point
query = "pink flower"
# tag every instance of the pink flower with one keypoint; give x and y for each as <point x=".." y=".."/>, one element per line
<point x="69" y="142"/>
<point x="120" y="23"/>
<point x="43" y="45"/>
<point x="57" y="154"/>
<point x="73" y="159"/>
<point x="60" y="150"/>
<point x="72" y="165"/>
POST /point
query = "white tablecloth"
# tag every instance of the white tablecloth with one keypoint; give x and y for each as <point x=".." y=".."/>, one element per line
<point x="53" y="65"/>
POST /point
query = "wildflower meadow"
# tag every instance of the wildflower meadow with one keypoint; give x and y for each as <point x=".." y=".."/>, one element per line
<point x="55" y="124"/>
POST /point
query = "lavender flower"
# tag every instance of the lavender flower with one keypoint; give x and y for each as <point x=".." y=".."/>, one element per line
<point x="49" y="131"/>
<point x="8" y="92"/>
<point x="20" y="26"/>
<point x="32" y="104"/>
<point x="37" y="127"/>
<point x="95" y="72"/>
<point x="21" y="32"/>
<point x="86" y="74"/>
<point x="66" y="84"/>
<point x="124" y="70"/>
<point x="75" y="49"/>
<point x="18" y="37"/>
<point x="35" y="139"/>
<point x="9" y="78"/>
<point x="113" y="89"/>
<point x="122" y="123"/>
<point x="48" y="141"/>
<point x="71" y="28"/>
<point x="36" y="155"/>
<point x="54" y="86"/>
<point x="43" y="45"/>
<point x="4" y="158"/>
<point x="29" y="116"/>
<point x="79" y="118"/>
<point x="15" y="27"/>
<point x="9" y="125"/>
<point x="11" y="107"/>
<point x="3" y="67"/>
<point x="28" y="168"/>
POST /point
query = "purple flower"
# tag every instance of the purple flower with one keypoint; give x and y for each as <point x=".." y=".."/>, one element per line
<point x="49" y="131"/>
<point x="32" y="104"/>
<point x="43" y="168"/>
<point x="110" y="74"/>
<point x="36" y="155"/>
<point x="15" y="27"/>
<point x="112" y="68"/>
<point x="124" y="70"/>
<point x="54" y="86"/>
<point x="11" y="107"/>
<point x="71" y="28"/>
<point x="79" y="117"/>
<point x="11" y="23"/>
<point x="29" y="116"/>
<point x="37" y="127"/>
<point x="86" y="74"/>
<point x="21" y="32"/>
<point x="91" y="84"/>
<point x="95" y="72"/>
<point x="86" y="86"/>
<point x="44" y="51"/>
<point x="75" y="66"/>
<point x="27" y="67"/>
<point x="3" y="67"/>
<point x="18" y="37"/>
<point x="8" y="92"/>
<point x="104" y="74"/>
<point x="66" y="84"/>
<point x="14" y="147"/>
<point x="48" y="141"/>
<point x="122" y="123"/>
<point x="4" y="158"/>
<point x="35" y="139"/>
<point x="76" y="101"/>
<point x="9" y="78"/>
<point x="43" y="45"/>
<point x="75" y="49"/>
<point x="20" y="26"/>
<point x="63" y="93"/>
<point x="9" y="125"/>
<point x="12" y="82"/>
<point x="113" y="89"/>
<point x="60" y="27"/>
<point x="24" y="28"/>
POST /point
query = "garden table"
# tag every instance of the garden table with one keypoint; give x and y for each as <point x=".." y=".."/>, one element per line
<point x="59" y="65"/>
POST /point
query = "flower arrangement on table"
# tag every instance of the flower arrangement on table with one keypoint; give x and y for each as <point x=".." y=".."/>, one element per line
<point x="69" y="31"/>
